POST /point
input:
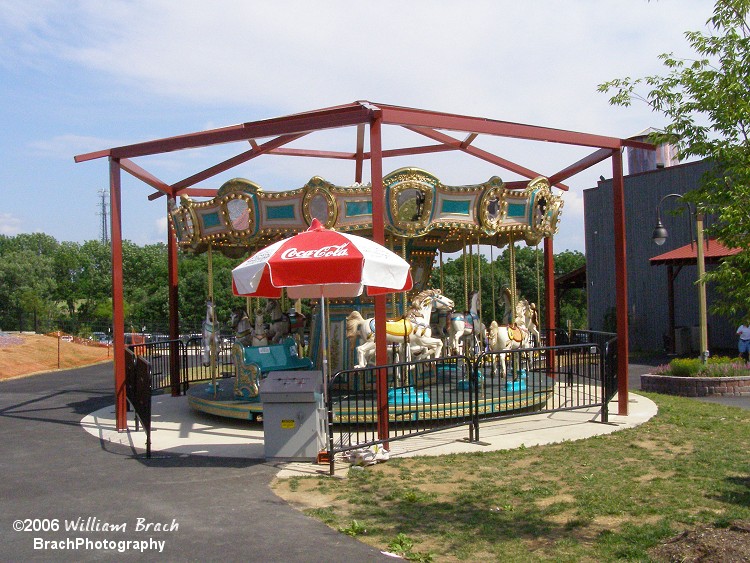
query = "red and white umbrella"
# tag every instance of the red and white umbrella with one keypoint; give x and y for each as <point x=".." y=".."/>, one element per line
<point x="322" y="263"/>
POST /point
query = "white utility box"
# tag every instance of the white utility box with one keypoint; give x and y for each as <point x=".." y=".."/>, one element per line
<point x="293" y="415"/>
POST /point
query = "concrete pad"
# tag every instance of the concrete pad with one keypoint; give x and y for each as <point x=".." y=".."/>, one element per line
<point x="178" y="429"/>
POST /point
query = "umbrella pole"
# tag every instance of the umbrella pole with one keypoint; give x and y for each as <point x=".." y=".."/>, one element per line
<point x="212" y="341"/>
<point x="324" y="343"/>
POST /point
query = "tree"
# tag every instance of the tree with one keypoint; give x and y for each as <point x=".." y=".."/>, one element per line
<point x="707" y="103"/>
<point x="529" y="282"/>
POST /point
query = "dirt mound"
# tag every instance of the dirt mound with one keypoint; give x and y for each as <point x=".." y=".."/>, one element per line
<point x="24" y="354"/>
<point x="707" y="543"/>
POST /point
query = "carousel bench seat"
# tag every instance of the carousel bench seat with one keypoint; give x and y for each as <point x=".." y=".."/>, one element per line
<point x="276" y="357"/>
<point x="252" y="363"/>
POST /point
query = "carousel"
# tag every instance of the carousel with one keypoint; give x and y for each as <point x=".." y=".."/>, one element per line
<point x="424" y="220"/>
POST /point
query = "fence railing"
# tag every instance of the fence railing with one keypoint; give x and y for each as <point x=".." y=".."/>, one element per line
<point x="433" y="395"/>
<point x="422" y="396"/>
<point x="429" y="395"/>
<point x="138" y="392"/>
<point x="189" y="359"/>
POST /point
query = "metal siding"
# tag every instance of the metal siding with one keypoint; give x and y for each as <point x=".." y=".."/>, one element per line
<point x="647" y="285"/>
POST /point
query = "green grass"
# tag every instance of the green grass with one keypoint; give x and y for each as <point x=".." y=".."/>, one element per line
<point x="608" y="498"/>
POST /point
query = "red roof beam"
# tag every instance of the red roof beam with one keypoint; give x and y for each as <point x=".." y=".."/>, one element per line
<point x="144" y="176"/>
<point x="586" y="162"/>
<point x="234" y="161"/>
<point x="341" y="116"/>
<point x="314" y="153"/>
<point x="479" y="153"/>
<point x="420" y="118"/>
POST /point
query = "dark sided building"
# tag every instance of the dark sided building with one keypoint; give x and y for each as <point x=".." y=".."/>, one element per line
<point x="648" y="297"/>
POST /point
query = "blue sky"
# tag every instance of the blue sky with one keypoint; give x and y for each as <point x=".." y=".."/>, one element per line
<point x="81" y="76"/>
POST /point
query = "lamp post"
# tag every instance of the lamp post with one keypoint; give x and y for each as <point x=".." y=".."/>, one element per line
<point x="660" y="236"/>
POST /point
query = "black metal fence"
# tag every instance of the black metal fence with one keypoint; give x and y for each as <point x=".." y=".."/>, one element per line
<point x="427" y="395"/>
<point x="188" y="358"/>
<point x="138" y="392"/>
<point x="422" y="396"/>
<point x="432" y="395"/>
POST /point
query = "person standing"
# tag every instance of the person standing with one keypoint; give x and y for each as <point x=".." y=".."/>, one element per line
<point x="744" y="344"/>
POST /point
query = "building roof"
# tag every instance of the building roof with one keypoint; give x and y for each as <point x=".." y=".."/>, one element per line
<point x="713" y="252"/>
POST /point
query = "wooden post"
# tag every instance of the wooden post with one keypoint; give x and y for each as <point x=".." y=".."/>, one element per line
<point x="378" y="235"/>
<point x="118" y="311"/>
<point x="621" y="281"/>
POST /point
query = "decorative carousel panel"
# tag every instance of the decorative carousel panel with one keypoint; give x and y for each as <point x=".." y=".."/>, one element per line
<point x="210" y="220"/>
<point x="409" y="194"/>
<point x="319" y="203"/>
<point x="545" y="209"/>
<point x="456" y="208"/>
<point x="281" y="213"/>
<point x="182" y="223"/>
<point x="241" y="215"/>
<point x="355" y="213"/>
<point x="492" y="206"/>
<point x="239" y="186"/>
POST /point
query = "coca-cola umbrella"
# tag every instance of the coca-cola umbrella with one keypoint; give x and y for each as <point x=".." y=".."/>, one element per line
<point x="321" y="263"/>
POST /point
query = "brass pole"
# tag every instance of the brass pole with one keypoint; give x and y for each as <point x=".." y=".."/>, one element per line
<point x="701" y="287"/>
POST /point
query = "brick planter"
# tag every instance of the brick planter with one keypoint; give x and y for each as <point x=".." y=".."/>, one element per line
<point x="695" y="386"/>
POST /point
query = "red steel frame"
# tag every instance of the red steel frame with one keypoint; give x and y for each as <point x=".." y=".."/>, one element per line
<point x="284" y="130"/>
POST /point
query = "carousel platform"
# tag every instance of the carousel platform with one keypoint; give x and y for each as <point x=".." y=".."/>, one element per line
<point x="445" y="399"/>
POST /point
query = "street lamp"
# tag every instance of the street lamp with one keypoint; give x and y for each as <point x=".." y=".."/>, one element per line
<point x="660" y="235"/>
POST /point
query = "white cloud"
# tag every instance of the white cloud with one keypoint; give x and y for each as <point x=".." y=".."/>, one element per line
<point x="68" y="145"/>
<point x="9" y="225"/>
<point x="154" y="68"/>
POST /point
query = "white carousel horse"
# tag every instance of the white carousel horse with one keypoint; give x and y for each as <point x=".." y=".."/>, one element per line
<point x="531" y="318"/>
<point x="284" y="324"/>
<point x="414" y="327"/>
<point x="210" y="339"/>
<point x="468" y="324"/>
<point x="260" y="334"/>
<point x="509" y="337"/>
<point x="243" y="329"/>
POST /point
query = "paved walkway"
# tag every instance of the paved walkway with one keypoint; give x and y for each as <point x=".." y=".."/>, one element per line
<point x="207" y="508"/>
<point x="178" y="430"/>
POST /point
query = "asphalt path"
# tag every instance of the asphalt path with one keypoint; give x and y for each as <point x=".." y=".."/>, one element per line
<point x="56" y="475"/>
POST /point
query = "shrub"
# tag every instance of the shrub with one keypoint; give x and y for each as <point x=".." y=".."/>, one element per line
<point x="720" y="366"/>
<point x="685" y="367"/>
<point x="726" y="369"/>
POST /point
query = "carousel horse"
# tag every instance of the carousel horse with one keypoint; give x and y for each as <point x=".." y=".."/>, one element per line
<point x="284" y="324"/>
<point x="439" y="323"/>
<point x="243" y="329"/>
<point x="260" y="334"/>
<point x="468" y="324"/>
<point x="210" y="336"/>
<point x="414" y="328"/>
<point x="513" y="336"/>
<point x="531" y="318"/>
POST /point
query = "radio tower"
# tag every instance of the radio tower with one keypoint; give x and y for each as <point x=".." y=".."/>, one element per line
<point x="103" y="215"/>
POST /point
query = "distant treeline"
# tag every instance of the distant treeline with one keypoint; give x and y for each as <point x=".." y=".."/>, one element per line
<point x="48" y="285"/>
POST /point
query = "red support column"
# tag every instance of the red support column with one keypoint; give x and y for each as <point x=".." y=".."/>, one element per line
<point x="118" y="312"/>
<point x="621" y="282"/>
<point x="378" y="235"/>
<point x="550" y="312"/>
<point x="174" y="307"/>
